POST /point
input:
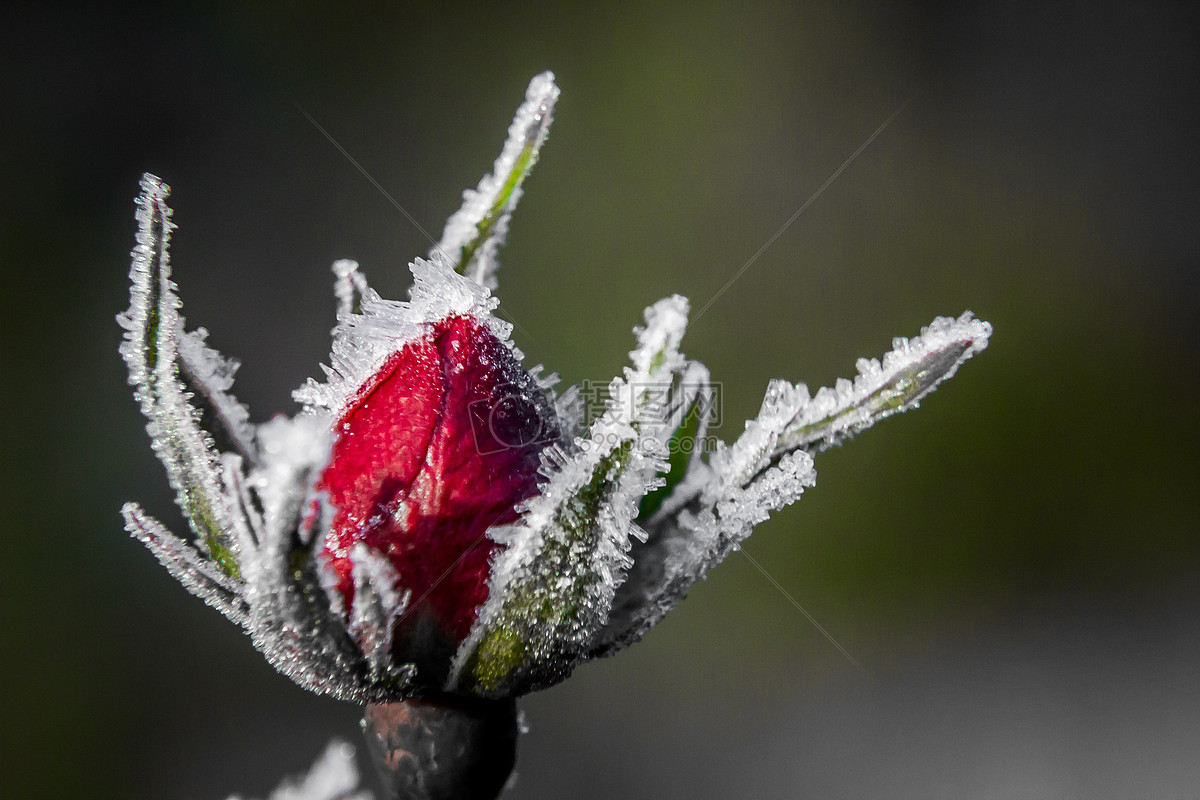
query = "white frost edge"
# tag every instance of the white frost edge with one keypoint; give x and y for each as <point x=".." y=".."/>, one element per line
<point x="214" y="373"/>
<point x="294" y="452"/>
<point x="531" y="123"/>
<point x="872" y="375"/>
<point x="378" y="602"/>
<point x="197" y="573"/>
<point x="183" y="447"/>
<point x="363" y="342"/>
<point x="721" y="527"/>
<point x="737" y="489"/>
<point x="348" y="285"/>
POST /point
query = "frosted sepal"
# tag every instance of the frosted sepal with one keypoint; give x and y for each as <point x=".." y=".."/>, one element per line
<point x="292" y="620"/>
<point x="687" y="469"/>
<point x="378" y="603"/>
<point x="717" y="506"/>
<point x="186" y="564"/>
<point x="208" y="375"/>
<point x="252" y="559"/>
<point x="913" y="369"/>
<point x="692" y="406"/>
<point x="475" y="232"/>
<point x="551" y="589"/>
<point x="154" y="339"/>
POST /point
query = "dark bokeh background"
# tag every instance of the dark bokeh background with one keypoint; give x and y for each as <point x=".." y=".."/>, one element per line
<point x="1015" y="565"/>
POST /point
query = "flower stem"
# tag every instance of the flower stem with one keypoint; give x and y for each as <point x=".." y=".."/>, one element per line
<point x="442" y="747"/>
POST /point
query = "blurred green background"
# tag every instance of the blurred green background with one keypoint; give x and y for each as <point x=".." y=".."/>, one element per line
<point x="1015" y="565"/>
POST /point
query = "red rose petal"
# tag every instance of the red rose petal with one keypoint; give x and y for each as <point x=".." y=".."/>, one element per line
<point x="440" y="446"/>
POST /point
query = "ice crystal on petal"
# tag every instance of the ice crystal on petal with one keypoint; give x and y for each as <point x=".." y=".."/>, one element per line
<point x="334" y="776"/>
<point x="475" y="232"/>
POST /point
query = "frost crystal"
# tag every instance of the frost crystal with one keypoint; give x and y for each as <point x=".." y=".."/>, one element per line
<point x="364" y="340"/>
<point x="334" y="776"/>
<point x="435" y="519"/>
<point x="378" y="601"/>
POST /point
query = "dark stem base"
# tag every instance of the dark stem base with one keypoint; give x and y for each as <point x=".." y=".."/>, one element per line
<point x="430" y="749"/>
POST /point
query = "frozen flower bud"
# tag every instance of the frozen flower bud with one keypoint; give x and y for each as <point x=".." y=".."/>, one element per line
<point x="436" y="525"/>
<point x="441" y="444"/>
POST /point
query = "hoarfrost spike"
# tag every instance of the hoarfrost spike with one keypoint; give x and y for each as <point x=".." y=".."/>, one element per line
<point x="474" y="233"/>
<point x="350" y="286"/>
<point x="363" y="341"/>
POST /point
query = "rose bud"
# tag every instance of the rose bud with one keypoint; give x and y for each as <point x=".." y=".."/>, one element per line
<point x="437" y="527"/>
